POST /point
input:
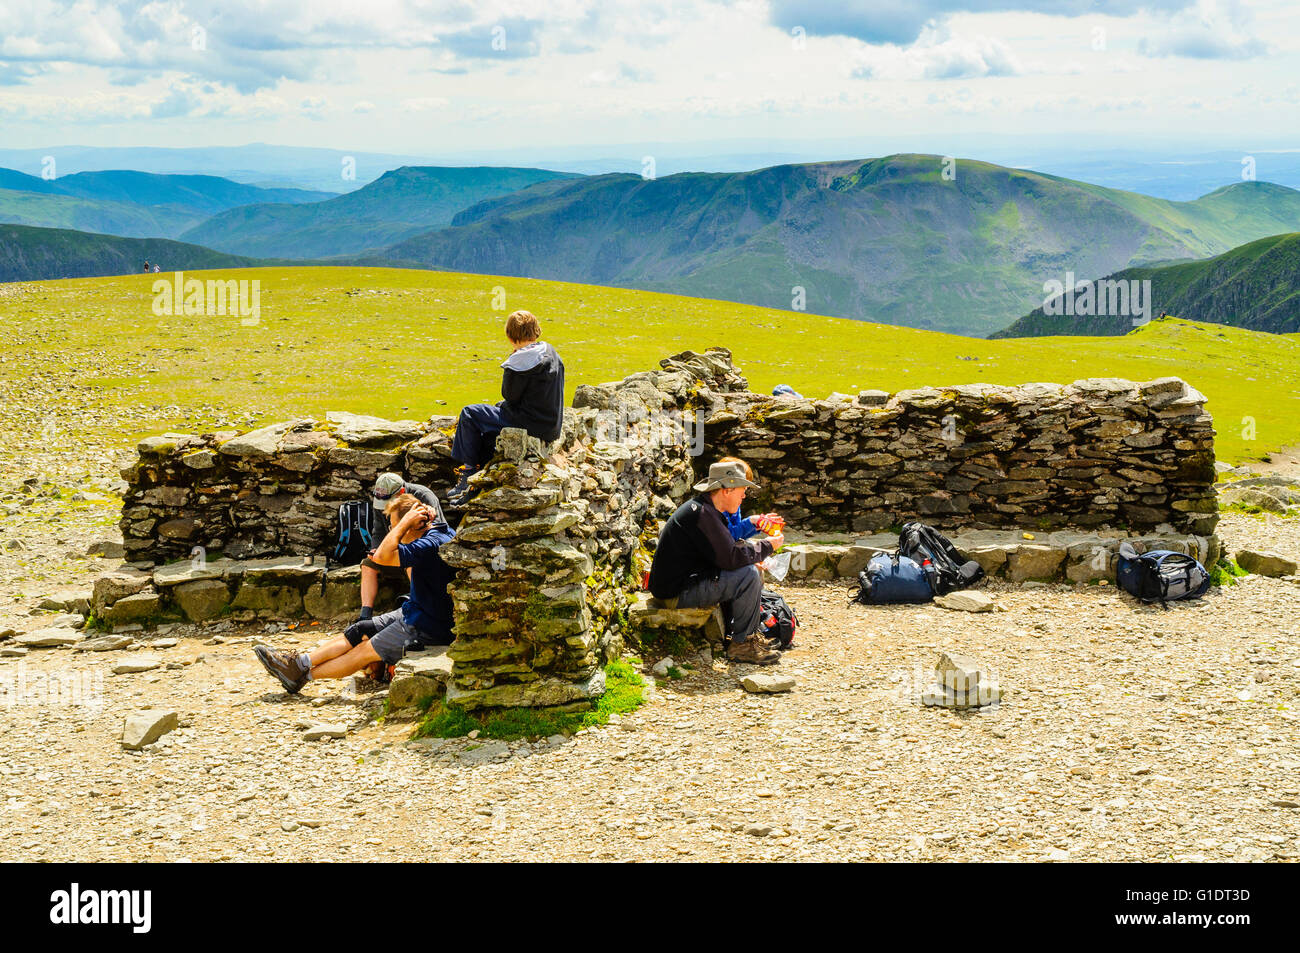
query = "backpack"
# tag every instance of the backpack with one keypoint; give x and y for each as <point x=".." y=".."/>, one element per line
<point x="892" y="577"/>
<point x="361" y="529"/>
<point x="777" y="619"/>
<point x="920" y="542"/>
<point x="1160" y="575"/>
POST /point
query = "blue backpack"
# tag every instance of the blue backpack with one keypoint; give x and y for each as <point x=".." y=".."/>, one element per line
<point x="1160" y="575"/>
<point x="890" y="577"/>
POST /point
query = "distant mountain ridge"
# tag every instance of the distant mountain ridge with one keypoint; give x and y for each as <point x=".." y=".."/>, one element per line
<point x="890" y="240"/>
<point x="129" y="203"/>
<point x="1254" y="286"/>
<point x="32" y="254"/>
<point x="399" y="204"/>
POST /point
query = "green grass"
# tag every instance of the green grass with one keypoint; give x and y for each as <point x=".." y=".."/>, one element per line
<point x="409" y="344"/>
<point x="624" y="689"/>
<point x="1226" y="572"/>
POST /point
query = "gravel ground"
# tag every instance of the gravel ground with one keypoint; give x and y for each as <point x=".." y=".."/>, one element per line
<point x="1125" y="733"/>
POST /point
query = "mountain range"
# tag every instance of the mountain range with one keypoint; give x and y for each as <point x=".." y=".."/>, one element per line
<point x="954" y="245"/>
<point x="1255" y="286"/>
<point x="892" y="240"/>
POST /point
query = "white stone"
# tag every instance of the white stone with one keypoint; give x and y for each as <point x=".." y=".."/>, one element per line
<point x="764" y="684"/>
<point x="966" y="601"/>
<point x="147" y="726"/>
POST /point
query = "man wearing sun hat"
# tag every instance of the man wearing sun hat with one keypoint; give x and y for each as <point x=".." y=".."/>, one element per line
<point x="388" y="487"/>
<point x="698" y="563"/>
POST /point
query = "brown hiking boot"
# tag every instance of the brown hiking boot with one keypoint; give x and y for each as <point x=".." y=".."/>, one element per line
<point x="284" y="666"/>
<point x="753" y="651"/>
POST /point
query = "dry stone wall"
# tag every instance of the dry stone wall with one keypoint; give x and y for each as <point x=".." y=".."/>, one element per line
<point x="1095" y="453"/>
<point x="549" y="554"/>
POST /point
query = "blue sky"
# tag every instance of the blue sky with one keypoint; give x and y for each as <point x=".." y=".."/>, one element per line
<point x="436" y="78"/>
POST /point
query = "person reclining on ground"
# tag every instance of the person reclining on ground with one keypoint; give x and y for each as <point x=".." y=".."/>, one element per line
<point x="698" y="563"/>
<point x="424" y="619"/>
<point x="388" y="487"/>
<point x="533" y="387"/>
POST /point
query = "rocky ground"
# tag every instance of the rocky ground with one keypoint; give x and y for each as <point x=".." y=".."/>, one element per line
<point x="1125" y="733"/>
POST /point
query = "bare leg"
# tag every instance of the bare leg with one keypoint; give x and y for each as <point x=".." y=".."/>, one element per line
<point x="343" y="666"/>
<point x="369" y="586"/>
<point x="332" y="649"/>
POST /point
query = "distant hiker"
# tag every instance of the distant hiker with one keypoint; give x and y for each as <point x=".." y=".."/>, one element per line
<point x="157" y="269"/>
<point x="413" y="543"/>
<point x="388" y="487"/>
<point x="147" y="269"/>
<point x="698" y="563"/>
<point x="742" y="527"/>
<point x="785" y="390"/>
<point x="533" y="388"/>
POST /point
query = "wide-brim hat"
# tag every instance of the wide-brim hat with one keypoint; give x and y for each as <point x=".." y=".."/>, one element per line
<point x="724" y="476"/>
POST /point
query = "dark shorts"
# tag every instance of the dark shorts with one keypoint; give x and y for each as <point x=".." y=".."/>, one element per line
<point x="393" y="638"/>
<point x="385" y="572"/>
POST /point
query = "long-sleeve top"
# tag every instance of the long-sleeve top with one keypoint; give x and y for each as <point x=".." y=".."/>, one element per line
<point x="696" y="544"/>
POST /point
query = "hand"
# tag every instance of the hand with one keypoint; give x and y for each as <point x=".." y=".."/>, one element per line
<point x="778" y="540"/>
<point x="415" y="516"/>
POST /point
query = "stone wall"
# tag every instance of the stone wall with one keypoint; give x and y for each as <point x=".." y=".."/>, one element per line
<point x="273" y="491"/>
<point x="1095" y="453"/>
<point x="550" y="552"/>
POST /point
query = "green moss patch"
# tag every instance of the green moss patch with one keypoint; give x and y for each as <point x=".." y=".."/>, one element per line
<point x="624" y="692"/>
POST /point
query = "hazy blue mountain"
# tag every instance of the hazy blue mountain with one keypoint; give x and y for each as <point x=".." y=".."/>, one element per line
<point x="396" y="206"/>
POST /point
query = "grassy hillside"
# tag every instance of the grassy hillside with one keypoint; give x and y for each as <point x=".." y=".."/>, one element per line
<point x="127" y="203"/>
<point x="30" y="253"/>
<point x="887" y="240"/>
<point x="1256" y="286"/>
<point x="413" y="343"/>
<point x="397" y="205"/>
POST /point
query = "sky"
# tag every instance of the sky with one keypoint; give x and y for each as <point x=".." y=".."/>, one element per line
<point x="433" y="78"/>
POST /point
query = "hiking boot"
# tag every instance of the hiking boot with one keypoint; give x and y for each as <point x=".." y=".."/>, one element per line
<point x="459" y="494"/>
<point x="283" y="666"/>
<point x="755" y="650"/>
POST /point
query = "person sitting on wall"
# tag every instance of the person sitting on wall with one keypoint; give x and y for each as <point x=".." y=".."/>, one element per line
<point x="533" y="387"/>
<point x="425" y="618"/>
<point x="389" y="487"/>
<point x="698" y="563"/>
<point x="742" y="527"/>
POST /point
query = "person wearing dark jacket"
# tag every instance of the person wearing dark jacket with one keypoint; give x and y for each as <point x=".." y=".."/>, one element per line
<point x="533" y="387"/>
<point x="698" y="563"/>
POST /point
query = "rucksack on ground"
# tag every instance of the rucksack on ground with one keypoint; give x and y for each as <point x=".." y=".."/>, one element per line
<point x="1161" y="575"/>
<point x="777" y="620"/>
<point x="893" y="577"/>
<point x="920" y="542"/>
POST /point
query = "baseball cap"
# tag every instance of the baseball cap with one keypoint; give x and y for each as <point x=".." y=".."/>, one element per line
<point x="386" y="487"/>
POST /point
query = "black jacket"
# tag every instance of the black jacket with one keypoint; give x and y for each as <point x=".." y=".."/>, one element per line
<point x="695" y="544"/>
<point x="533" y="388"/>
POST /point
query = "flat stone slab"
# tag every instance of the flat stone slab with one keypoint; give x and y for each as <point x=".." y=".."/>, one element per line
<point x="104" y="643"/>
<point x="173" y="574"/>
<point x="1020" y="555"/>
<point x="764" y="684"/>
<point x="966" y="601"/>
<point x="139" y="664"/>
<point x="1266" y="563"/>
<point x="147" y="726"/>
<point x="48" y="638"/>
<point x="432" y="663"/>
<point x="317" y="732"/>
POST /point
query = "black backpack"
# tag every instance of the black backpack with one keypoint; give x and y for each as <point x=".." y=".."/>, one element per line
<point x="921" y="543"/>
<point x="1160" y="575"/>
<point x="777" y="619"/>
<point x="361" y="529"/>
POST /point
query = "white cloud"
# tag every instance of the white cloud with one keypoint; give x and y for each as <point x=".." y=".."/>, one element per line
<point x="1213" y="30"/>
